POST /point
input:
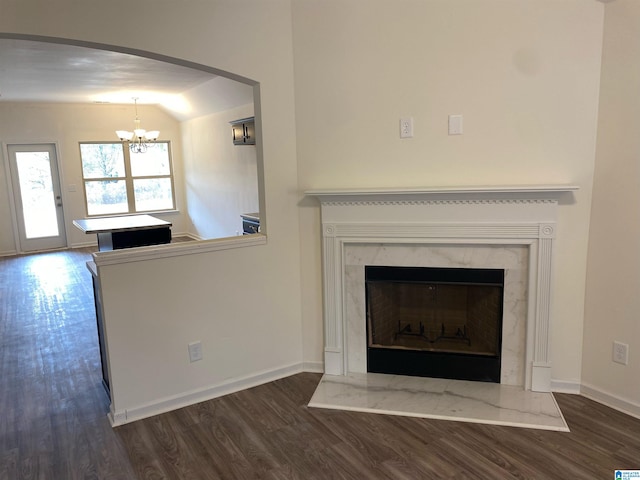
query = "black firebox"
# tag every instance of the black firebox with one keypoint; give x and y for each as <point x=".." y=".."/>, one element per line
<point x="435" y="322"/>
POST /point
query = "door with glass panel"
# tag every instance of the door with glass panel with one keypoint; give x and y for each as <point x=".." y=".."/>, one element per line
<point x="37" y="197"/>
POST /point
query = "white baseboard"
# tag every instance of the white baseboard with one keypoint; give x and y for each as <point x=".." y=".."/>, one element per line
<point x="83" y="244"/>
<point x="120" y="417"/>
<point x="313" y="367"/>
<point x="617" y="403"/>
<point x="192" y="236"/>
<point x="10" y="253"/>
<point x="560" y="386"/>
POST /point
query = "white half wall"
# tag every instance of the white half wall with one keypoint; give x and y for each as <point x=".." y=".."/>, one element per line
<point x="243" y="304"/>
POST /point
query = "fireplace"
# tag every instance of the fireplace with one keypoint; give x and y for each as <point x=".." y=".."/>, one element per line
<point x="508" y="228"/>
<point x="434" y="322"/>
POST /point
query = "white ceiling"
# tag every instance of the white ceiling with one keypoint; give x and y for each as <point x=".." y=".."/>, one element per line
<point x="33" y="71"/>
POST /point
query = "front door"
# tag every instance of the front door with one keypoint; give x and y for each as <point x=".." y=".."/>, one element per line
<point x="37" y="197"/>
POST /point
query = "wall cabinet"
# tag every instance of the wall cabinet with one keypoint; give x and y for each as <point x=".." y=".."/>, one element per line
<point x="244" y="132"/>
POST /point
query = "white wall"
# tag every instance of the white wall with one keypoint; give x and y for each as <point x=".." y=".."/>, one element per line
<point x="221" y="179"/>
<point x="243" y="304"/>
<point x="525" y="75"/>
<point x="612" y="301"/>
<point x="67" y="125"/>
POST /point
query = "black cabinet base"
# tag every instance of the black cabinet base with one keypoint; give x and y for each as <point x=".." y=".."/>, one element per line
<point x="133" y="238"/>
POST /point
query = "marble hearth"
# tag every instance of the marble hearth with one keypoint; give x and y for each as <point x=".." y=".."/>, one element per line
<point x="440" y="399"/>
<point x="510" y="228"/>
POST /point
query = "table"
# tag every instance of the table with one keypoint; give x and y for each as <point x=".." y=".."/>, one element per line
<point x="126" y="231"/>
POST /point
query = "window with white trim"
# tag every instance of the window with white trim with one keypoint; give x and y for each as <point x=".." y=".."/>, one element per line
<point x="119" y="181"/>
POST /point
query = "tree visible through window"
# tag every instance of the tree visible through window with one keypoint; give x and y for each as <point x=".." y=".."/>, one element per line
<point x="117" y="180"/>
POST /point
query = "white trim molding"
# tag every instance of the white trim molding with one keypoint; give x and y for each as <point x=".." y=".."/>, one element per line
<point x="617" y="403"/>
<point x="167" y="404"/>
<point x="450" y="216"/>
<point x="564" y="386"/>
<point x="168" y="250"/>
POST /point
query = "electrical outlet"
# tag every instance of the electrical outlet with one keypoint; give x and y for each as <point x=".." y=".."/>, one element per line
<point x="621" y="353"/>
<point x="195" y="351"/>
<point x="406" y="127"/>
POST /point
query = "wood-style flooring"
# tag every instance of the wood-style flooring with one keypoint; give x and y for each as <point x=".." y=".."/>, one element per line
<point x="53" y="422"/>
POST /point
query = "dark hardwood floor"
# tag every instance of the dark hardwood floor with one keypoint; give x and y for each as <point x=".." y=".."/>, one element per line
<point x="53" y="422"/>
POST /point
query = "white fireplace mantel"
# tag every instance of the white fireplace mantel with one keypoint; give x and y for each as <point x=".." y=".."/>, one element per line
<point x="516" y="190"/>
<point x="453" y="216"/>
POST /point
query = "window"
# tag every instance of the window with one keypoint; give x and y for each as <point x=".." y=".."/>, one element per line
<point x="117" y="180"/>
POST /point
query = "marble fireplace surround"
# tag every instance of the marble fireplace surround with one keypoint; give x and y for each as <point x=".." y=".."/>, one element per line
<point x="510" y="227"/>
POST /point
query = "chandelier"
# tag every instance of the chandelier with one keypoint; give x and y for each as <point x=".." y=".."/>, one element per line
<point x="140" y="139"/>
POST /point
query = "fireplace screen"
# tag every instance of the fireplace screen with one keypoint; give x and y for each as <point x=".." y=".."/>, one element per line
<point x="443" y="310"/>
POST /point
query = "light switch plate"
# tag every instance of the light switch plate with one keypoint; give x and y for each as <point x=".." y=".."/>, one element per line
<point x="195" y="351"/>
<point x="455" y="124"/>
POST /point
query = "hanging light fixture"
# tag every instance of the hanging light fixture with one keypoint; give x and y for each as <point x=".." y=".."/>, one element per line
<point x="140" y="138"/>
